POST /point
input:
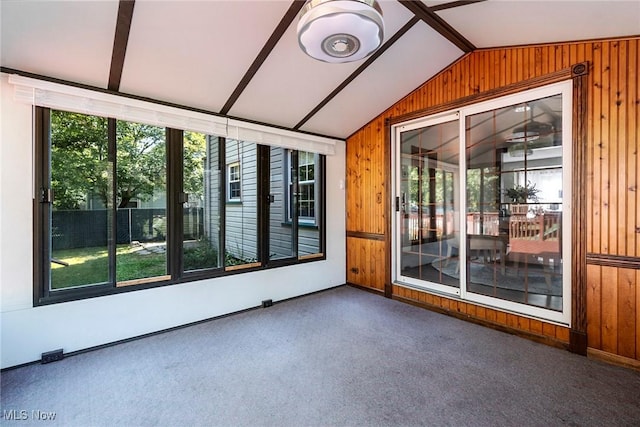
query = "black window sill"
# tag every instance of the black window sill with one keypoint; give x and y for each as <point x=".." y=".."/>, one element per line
<point x="300" y="225"/>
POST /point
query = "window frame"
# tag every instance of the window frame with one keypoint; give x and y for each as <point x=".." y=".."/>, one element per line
<point x="230" y="167"/>
<point x="43" y="295"/>
<point x="304" y="221"/>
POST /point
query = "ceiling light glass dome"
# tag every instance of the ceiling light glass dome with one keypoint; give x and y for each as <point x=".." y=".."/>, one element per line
<point x="340" y="30"/>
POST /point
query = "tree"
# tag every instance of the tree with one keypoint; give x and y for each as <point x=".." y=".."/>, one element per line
<point x="483" y="189"/>
<point x="194" y="155"/>
<point x="82" y="172"/>
<point x="79" y="163"/>
<point x="141" y="161"/>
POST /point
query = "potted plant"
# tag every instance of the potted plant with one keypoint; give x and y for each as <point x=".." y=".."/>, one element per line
<point x="520" y="195"/>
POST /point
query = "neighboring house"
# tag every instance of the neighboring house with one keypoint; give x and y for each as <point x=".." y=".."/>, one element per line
<point x="241" y="194"/>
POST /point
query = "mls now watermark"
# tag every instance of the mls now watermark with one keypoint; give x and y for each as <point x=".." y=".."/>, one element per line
<point x="24" y="415"/>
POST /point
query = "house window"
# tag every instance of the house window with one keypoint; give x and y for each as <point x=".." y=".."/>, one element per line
<point x="306" y="187"/>
<point x="234" y="192"/>
<point x="295" y="186"/>
<point x="125" y="205"/>
<point x="302" y="185"/>
<point x="481" y="198"/>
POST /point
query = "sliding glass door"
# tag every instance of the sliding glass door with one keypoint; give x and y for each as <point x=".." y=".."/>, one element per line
<point x="515" y="202"/>
<point x="481" y="206"/>
<point x="427" y="204"/>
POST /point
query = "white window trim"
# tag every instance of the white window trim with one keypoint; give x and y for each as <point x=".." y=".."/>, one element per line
<point x="229" y="181"/>
<point x="396" y="241"/>
<point x="93" y="102"/>
<point x="303" y="220"/>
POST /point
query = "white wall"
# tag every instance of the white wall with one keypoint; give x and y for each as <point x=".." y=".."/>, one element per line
<point x="27" y="331"/>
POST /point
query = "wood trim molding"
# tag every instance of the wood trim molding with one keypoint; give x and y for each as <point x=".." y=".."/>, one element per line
<point x="243" y="266"/>
<point x="311" y="256"/>
<point x="364" y="288"/>
<point x="366" y="236"/>
<point x="120" y="41"/>
<point x="532" y="83"/>
<point x="578" y="333"/>
<point x="614" y="359"/>
<point x="497" y="326"/>
<point x="430" y="18"/>
<point x="579" y="69"/>
<point x="143" y="281"/>
<point x="618" y="261"/>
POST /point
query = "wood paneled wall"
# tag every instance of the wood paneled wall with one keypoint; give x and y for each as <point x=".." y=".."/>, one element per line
<point x="365" y="258"/>
<point x="366" y="175"/>
<point x="613" y="173"/>
<point x="536" y="329"/>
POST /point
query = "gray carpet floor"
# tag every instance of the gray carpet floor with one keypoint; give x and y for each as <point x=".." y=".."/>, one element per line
<point x="342" y="357"/>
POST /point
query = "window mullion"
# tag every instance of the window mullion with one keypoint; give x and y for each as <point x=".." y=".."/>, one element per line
<point x="112" y="136"/>
<point x="42" y="225"/>
<point x="462" y="200"/>
<point x="175" y="199"/>
<point x="222" y="198"/>
<point x="264" y="198"/>
<point x="295" y="200"/>
<point x="321" y="213"/>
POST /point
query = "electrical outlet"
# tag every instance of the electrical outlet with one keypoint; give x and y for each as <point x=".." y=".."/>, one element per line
<point x="52" y="356"/>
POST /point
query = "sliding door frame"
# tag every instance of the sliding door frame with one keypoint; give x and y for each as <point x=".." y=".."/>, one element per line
<point x="579" y="75"/>
<point x="396" y="239"/>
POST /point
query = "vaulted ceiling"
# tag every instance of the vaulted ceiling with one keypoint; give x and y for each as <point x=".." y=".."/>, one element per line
<point x="241" y="58"/>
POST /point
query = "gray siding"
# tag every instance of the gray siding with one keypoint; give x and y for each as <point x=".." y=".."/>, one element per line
<point x="242" y="217"/>
<point x="308" y="240"/>
<point x="212" y="179"/>
<point x="280" y="234"/>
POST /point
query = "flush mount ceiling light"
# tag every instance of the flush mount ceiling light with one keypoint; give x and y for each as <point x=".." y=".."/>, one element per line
<point x="340" y="30"/>
<point x="523" y="136"/>
<point x="531" y="135"/>
<point x="530" y="131"/>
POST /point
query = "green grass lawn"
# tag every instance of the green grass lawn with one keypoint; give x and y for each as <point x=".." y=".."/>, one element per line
<point x="89" y="266"/>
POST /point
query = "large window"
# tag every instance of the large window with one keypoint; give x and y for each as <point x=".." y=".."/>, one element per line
<point x="80" y="200"/>
<point x="125" y="205"/>
<point x="140" y="188"/>
<point x="241" y="219"/>
<point x="304" y="181"/>
<point x="201" y="217"/>
<point x="480" y="209"/>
